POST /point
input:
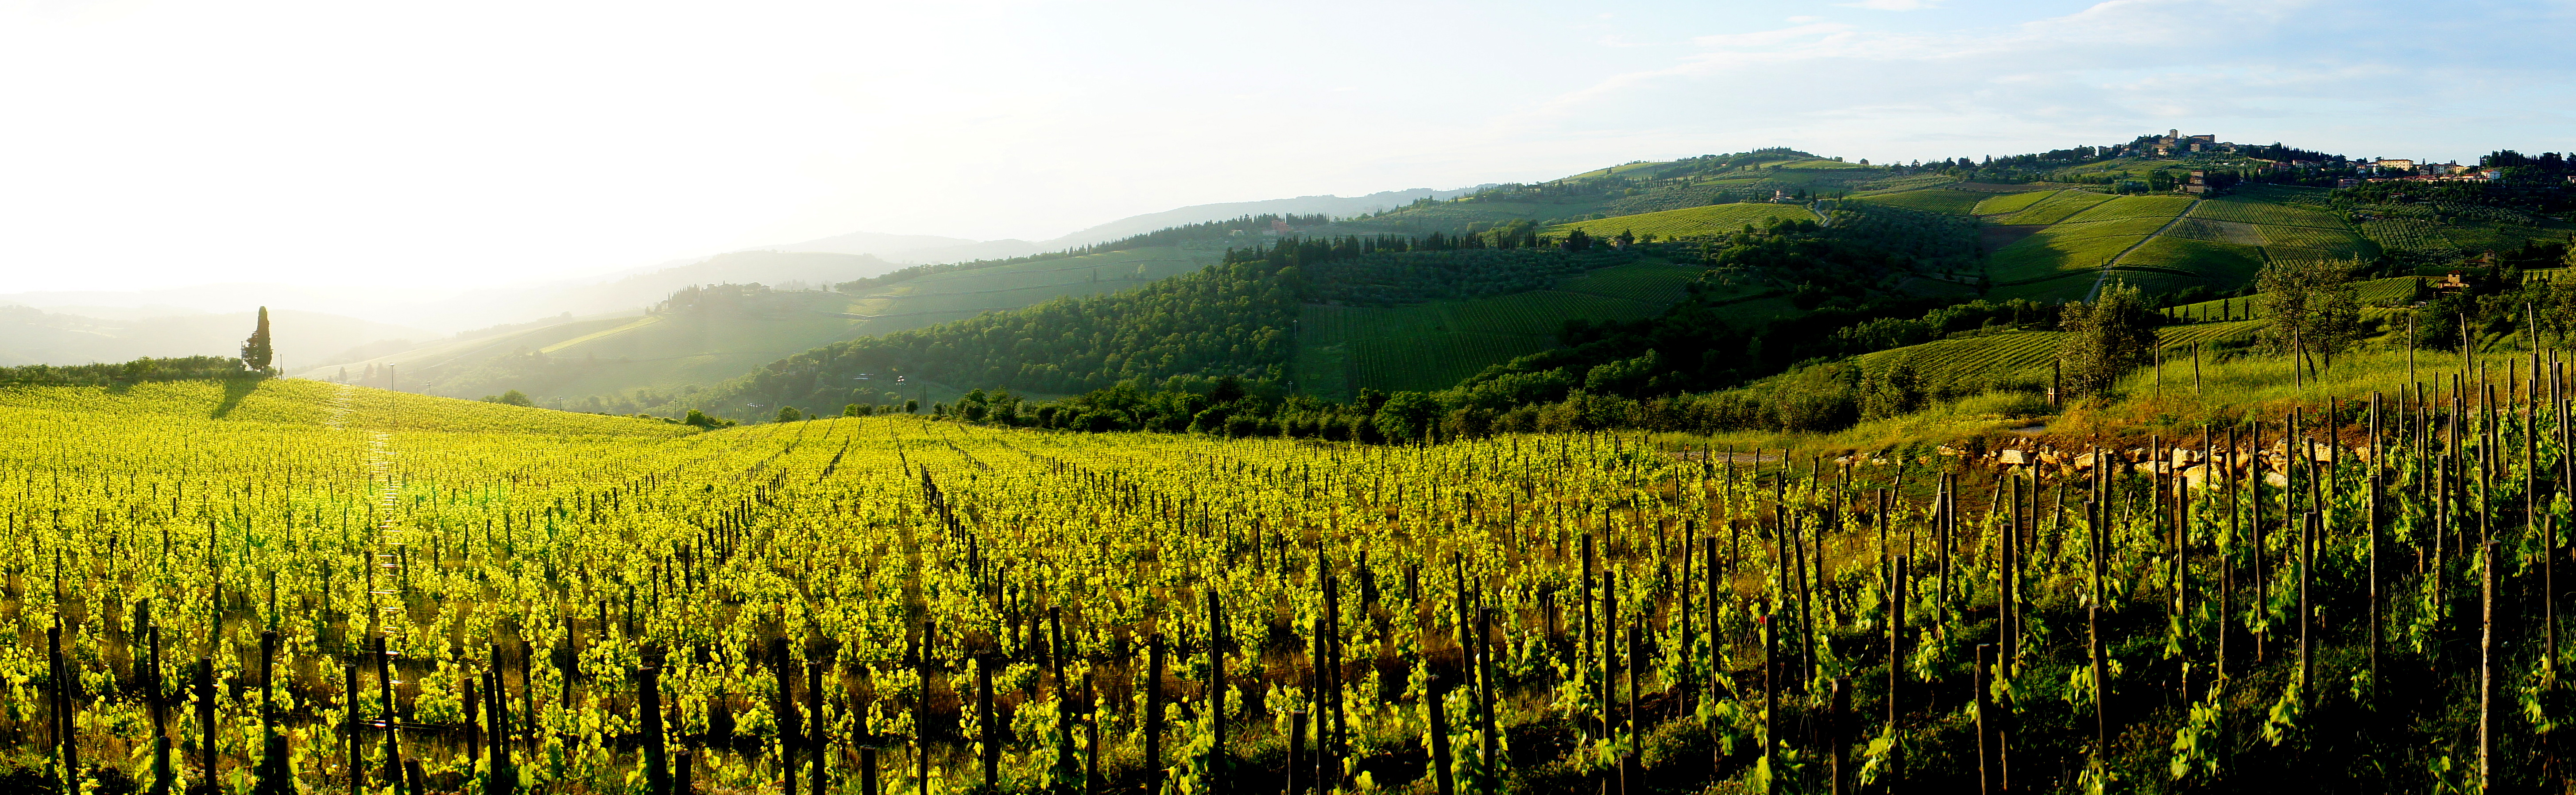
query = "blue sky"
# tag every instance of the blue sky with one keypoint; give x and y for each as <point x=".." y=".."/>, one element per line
<point x="459" y="143"/>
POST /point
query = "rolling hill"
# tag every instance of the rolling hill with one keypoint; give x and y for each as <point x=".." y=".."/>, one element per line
<point x="600" y="361"/>
<point x="33" y="336"/>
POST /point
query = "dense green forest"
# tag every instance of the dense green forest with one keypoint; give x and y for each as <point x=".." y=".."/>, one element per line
<point x="1226" y="320"/>
<point x="1211" y="230"/>
<point x="184" y="368"/>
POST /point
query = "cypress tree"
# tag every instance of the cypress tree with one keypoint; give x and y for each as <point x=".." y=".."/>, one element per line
<point x="256" y="352"/>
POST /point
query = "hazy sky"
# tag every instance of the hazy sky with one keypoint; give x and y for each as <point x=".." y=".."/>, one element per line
<point x="147" y="144"/>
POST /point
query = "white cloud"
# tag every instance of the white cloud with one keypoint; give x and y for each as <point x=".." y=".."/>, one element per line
<point x="1892" y="5"/>
<point x="2281" y="71"/>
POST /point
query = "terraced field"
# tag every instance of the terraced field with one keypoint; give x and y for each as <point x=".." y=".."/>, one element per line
<point x="1693" y="222"/>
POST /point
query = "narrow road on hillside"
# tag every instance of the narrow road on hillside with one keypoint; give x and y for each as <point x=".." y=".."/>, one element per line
<point x="2104" y="276"/>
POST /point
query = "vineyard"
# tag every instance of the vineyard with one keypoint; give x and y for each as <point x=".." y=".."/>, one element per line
<point x="2391" y="292"/>
<point x="2242" y="234"/>
<point x="1999" y="356"/>
<point x="2057" y="207"/>
<point x="1980" y="356"/>
<point x="2407" y="233"/>
<point x="2010" y="203"/>
<point x="2258" y="211"/>
<point x="312" y="587"/>
<point x="2068" y="248"/>
<point x="2332" y="241"/>
<point x="2219" y="265"/>
<point x="1931" y="200"/>
<point x="1694" y="222"/>
<point x="2159" y="207"/>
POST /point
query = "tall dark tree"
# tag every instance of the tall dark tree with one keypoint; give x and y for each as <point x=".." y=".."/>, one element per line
<point x="255" y="352"/>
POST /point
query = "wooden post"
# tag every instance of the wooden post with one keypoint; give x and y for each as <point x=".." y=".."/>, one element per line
<point x="648" y="689"/>
<point x="2308" y="532"/>
<point x="504" y="778"/>
<point x="986" y="721"/>
<point x="784" y="704"/>
<point x="817" y="738"/>
<point x="921" y="709"/>
<point x="272" y="751"/>
<point x="2486" y="667"/>
<point x="1154" y="715"/>
<point x="385" y="690"/>
<point x="64" y="708"/>
<point x="1296" y="746"/>
<point x="1218" y="768"/>
<point x="1485" y="694"/>
<point x="1440" y="758"/>
<point x="1895" y="670"/>
<point x="2101" y="513"/>
<point x="1770" y="699"/>
<point x="162" y="773"/>
<point x="1977" y="679"/>
<point x="1838" y="734"/>
<point x="357" y="735"/>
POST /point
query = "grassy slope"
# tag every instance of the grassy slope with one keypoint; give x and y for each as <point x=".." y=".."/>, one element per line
<point x="2219" y="242"/>
<point x="1714" y="219"/>
<point x="2009" y="203"/>
<point x="667" y="351"/>
<point x="1934" y="200"/>
<point x="305" y="403"/>
<point x="1432" y="345"/>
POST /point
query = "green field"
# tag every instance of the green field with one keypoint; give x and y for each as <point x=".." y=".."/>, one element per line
<point x="1432" y="346"/>
<point x="2251" y="210"/>
<point x="2409" y="234"/>
<point x="1694" y="222"/>
<point x="1988" y="354"/>
<point x="2010" y="203"/>
<point x="2026" y="353"/>
<point x="2238" y="233"/>
<point x="2333" y="240"/>
<point x="1934" y="200"/>
<point x="2057" y="207"/>
<point x="2067" y="248"/>
<point x="2218" y="264"/>
<point x="2133" y="207"/>
<point x="2375" y="292"/>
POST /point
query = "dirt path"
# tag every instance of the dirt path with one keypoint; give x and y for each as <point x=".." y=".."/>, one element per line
<point x="2104" y="275"/>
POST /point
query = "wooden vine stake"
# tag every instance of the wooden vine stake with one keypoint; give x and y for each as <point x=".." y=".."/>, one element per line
<point x="648" y="695"/>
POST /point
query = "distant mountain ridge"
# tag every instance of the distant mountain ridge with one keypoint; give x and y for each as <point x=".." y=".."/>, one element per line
<point x="922" y="249"/>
